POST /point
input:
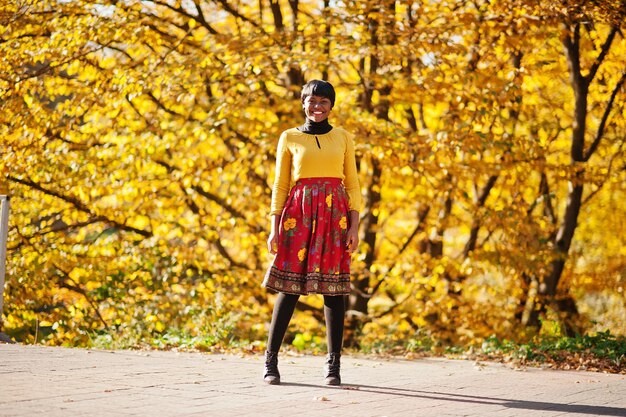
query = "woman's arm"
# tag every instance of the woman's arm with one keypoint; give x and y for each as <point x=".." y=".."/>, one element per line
<point x="353" y="231"/>
<point x="272" y="244"/>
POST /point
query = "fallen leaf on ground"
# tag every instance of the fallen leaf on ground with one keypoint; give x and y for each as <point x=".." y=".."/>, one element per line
<point x="322" y="398"/>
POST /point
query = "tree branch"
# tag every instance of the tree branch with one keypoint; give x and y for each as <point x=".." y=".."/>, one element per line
<point x="74" y="287"/>
<point x="278" y="15"/>
<point x="79" y="205"/>
<point x="608" y="173"/>
<point x="572" y="50"/>
<point x="180" y="10"/>
<point x="222" y="250"/>
<point x="206" y="194"/>
<point x="418" y="227"/>
<point x="218" y="244"/>
<point x="603" y="52"/>
<point x="228" y="8"/>
<point x="480" y="202"/>
<point x="203" y="21"/>
<point x="163" y="106"/>
<point x="605" y="117"/>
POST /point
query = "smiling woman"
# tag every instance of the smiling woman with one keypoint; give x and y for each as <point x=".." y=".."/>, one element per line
<point x="315" y="224"/>
<point x="317" y="108"/>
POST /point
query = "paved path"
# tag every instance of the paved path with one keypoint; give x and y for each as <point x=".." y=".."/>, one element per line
<point x="45" y="381"/>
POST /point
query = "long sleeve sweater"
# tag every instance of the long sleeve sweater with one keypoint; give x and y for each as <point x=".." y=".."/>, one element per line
<point x="304" y="155"/>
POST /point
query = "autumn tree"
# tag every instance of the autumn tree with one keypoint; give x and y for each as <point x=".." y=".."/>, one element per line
<point x="139" y="137"/>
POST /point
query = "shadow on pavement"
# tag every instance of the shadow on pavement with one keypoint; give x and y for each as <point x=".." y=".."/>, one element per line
<point x="503" y="402"/>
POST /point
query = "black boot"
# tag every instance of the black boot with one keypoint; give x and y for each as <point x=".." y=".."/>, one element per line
<point x="332" y="369"/>
<point x="271" y="375"/>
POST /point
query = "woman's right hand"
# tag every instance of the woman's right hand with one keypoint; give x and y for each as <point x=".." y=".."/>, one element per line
<point x="272" y="243"/>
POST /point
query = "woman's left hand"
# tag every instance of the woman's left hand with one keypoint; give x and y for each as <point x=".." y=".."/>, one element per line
<point x="352" y="241"/>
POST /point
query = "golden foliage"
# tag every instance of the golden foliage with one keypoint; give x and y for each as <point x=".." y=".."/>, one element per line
<point x="138" y="142"/>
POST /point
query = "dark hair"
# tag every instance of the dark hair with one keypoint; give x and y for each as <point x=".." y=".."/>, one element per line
<point x="318" y="88"/>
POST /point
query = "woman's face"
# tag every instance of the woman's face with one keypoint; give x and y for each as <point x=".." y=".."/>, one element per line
<point x="316" y="108"/>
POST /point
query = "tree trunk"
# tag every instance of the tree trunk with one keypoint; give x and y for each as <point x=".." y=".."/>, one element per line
<point x="360" y="294"/>
<point x="547" y="290"/>
<point x="362" y="290"/>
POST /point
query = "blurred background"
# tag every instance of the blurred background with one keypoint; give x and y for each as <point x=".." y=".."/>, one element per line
<point x="138" y="144"/>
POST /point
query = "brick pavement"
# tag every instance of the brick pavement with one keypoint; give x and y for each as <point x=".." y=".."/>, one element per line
<point x="46" y="381"/>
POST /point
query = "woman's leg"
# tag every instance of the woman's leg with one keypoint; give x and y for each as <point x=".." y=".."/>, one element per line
<point x="334" y="312"/>
<point x="334" y="315"/>
<point x="283" y="310"/>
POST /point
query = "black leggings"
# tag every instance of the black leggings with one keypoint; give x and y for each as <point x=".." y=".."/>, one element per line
<point x="283" y="310"/>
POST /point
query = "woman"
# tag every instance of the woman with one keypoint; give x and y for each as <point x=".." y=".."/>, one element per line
<point x="314" y="224"/>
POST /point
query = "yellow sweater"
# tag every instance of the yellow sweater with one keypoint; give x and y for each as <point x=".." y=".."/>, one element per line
<point x="298" y="156"/>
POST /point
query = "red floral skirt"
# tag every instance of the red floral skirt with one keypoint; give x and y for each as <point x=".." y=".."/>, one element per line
<point x="312" y="257"/>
